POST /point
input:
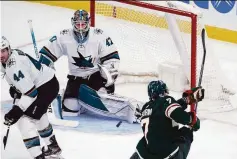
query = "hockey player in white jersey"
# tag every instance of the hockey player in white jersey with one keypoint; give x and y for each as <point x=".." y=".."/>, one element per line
<point x="88" y="50"/>
<point x="30" y="82"/>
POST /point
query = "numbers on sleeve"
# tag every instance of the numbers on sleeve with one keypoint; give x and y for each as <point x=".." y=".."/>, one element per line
<point x="18" y="76"/>
<point x="109" y="42"/>
<point x="169" y="100"/>
<point x="145" y="124"/>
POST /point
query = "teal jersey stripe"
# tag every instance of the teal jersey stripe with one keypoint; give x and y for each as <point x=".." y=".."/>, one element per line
<point x="47" y="53"/>
<point x="113" y="55"/>
<point x="32" y="92"/>
<point x="44" y="60"/>
<point x="32" y="142"/>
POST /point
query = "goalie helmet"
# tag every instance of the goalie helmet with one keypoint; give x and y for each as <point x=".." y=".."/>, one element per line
<point x="81" y="21"/>
<point x="157" y="89"/>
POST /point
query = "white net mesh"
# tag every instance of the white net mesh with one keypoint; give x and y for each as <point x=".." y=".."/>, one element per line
<point x="144" y="40"/>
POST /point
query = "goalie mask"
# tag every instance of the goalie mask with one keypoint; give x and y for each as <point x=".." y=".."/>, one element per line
<point x="157" y="89"/>
<point x="81" y="21"/>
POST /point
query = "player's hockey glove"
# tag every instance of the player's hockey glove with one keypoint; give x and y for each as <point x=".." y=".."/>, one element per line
<point x="184" y="134"/>
<point x="138" y="114"/>
<point x="14" y="91"/>
<point x="13" y="115"/>
<point x="196" y="125"/>
<point x="194" y="95"/>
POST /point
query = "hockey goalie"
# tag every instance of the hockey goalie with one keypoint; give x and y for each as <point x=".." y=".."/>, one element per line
<point x="93" y="62"/>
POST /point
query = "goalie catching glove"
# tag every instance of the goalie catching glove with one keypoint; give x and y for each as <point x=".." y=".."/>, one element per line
<point x="194" y="95"/>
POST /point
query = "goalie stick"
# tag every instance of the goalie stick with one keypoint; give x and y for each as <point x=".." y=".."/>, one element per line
<point x="60" y="122"/>
<point x="194" y="107"/>
<point x="33" y="38"/>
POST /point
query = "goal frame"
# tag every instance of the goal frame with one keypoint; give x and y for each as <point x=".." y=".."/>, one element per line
<point x="192" y="16"/>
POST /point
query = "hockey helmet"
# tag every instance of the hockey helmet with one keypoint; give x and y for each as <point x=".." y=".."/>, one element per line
<point x="81" y="21"/>
<point x="157" y="89"/>
<point x="5" y="43"/>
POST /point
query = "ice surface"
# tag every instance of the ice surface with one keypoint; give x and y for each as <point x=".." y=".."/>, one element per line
<point x="99" y="138"/>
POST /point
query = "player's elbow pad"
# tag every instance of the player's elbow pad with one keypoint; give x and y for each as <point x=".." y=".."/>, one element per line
<point x="180" y="116"/>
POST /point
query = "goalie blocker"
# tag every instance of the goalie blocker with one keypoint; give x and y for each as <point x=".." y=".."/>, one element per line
<point x="101" y="103"/>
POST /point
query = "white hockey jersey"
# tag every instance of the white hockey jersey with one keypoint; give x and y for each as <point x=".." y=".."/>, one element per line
<point x="26" y="74"/>
<point x="84" y="56"/>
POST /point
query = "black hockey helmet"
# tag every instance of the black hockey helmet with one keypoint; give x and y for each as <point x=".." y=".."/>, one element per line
<point x="157" y="89"/>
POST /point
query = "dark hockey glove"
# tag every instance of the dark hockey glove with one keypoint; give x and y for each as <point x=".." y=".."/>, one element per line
<point x="182" y="102"/>
<point x="138" y="113"/>
<point x="184" y="134"/>
<point x="196" y="125"/>
<point x="14" y="91"/>
<point x="194" y="95"/>
<point x="13" y="115"/>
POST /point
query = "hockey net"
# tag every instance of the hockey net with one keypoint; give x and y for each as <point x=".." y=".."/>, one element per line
<point x="148" y="35"/>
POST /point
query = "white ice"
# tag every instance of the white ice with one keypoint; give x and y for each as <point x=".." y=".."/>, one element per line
<point x="100" y="139"/>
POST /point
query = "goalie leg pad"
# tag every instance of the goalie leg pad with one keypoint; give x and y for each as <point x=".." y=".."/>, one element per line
<point x="109" y="105"/>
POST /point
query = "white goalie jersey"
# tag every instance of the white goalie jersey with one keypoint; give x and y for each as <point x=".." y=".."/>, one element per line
<point x="26" y="74"/>
<point x="83" y="58"/>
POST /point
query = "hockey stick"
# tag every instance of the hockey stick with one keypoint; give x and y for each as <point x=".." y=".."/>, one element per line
<point x="33" y="38"/>
<point x="201" y="71"/>
<point x="56" y="118"/>
<point x="8" y="127"/>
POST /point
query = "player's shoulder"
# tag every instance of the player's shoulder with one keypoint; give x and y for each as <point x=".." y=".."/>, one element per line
<point x="164" y="102"/>
<point x="169" y="100"/>
<point x="17" y="55"/>
<point x="14" y="59"/>
<point x="66" y="32"/>
<point x="98" y="32"/>
<point x="63" y="34"/>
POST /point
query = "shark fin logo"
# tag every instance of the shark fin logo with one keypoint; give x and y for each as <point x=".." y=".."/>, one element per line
<point x="83" y="62"/>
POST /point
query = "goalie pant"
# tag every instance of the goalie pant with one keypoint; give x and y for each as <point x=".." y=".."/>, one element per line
<point x="35" y="120"/>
